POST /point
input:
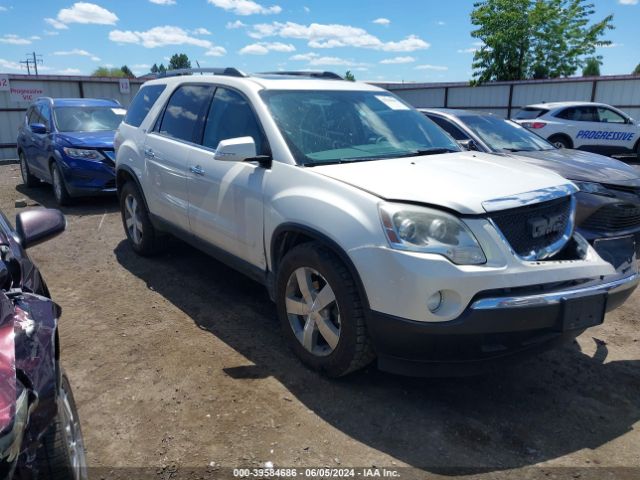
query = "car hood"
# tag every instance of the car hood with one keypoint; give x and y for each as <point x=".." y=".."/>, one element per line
<point x="89" y="139"/>
<point x="460" y="181"/>
<point x="584" y="166"/>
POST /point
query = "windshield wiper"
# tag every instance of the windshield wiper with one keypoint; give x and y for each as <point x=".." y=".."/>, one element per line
<point x="427" y="151"/>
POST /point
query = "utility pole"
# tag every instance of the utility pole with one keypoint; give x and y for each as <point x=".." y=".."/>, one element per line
<point x="33" y="59"/>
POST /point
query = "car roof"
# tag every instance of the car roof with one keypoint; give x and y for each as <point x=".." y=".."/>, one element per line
<point x="269" y="82"/>
<point x="554" y="105"/>
<point x="456" y="112"/>
<point x="83" y="102"/>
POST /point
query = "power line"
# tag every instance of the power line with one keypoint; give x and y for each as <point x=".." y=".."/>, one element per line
<point x="33" y="60"/>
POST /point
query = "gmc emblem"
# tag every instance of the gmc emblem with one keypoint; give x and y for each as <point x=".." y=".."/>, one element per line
<point x="541" y="226"/>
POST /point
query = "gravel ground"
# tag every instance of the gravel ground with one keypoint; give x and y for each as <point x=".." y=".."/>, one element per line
<point x="177" y="364"/>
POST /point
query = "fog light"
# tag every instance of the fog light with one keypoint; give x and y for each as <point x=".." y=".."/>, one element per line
<point x="434" y="302"/>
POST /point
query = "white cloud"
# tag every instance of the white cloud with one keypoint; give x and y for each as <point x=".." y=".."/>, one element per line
<point x="236" y="24"/>
<point x="163" y="36"/>
<point x="75" y="51"/>
<point x="141" y="66"/>
<point x="612" y="45"/>
<point x="316" y="60"/>
<point x="262" y="48"/>
<point x="3" y="9"/>
<point x="468" y="50"/>
<point x="69" y="71"/>
<point x="9" y="65"/>
<point x="441" y="23"/>
<point x="335" y="35"/>
<point x="83" y="12"/>
<point x="95" y="59"/>
<point x="50" y="33"/>
<point x="201" y="31"/>
<point x="13" y="39"/>
<point x="382" y="21"/>
<point x="34" y="37"/>
<point x="245" y="7"/>
<point x="306" y="9"/>
<point x="395" y="60"/>
<point x="438" y="68"/>
<point x="163" y="2"/>
<point x="628" y="2"/>
<point x="56" y="24"/>
<point x="304" y="56"/>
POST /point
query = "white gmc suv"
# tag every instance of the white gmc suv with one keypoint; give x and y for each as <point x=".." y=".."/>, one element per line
<point x="374" y="234"/>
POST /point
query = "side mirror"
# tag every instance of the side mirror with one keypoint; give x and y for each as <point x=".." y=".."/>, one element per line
<point x="38" y="128"/>
<point x="39" y="225"/>
<point x="236" y="149"/>
<point x="469" y="144"/>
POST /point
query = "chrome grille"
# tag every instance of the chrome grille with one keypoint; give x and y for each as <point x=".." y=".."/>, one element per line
<point x="536" y="231"/>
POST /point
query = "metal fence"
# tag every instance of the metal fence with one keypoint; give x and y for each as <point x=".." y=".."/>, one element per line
<point x="505" y="98"/>
<point x="17" y="92"/>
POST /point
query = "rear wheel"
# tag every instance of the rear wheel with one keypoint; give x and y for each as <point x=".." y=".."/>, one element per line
<point x="142" y="236"/>
<point x="320" y="311"/>
<point x="560" y="141"/>
<point x="62" y="454"/>
<point x="59" y="188"/>
<point x="28" y="179"/>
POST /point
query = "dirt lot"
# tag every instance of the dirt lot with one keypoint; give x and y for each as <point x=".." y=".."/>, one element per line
<point x="177" y="363"/>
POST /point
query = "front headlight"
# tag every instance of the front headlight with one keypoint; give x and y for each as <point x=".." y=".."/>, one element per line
<point x="82" y="154"/>
<point x="592" y="187"/>
<point x="421" y="229"/>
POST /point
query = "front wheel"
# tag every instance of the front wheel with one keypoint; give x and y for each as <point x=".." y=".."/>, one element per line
<point x="28" y="179"/>
<point x="62" y="454"/>
<point x="59" y="188"/>
<point x="560" y="141"/>
<point x="321" y="312"/>
<point x="141" y="234"/>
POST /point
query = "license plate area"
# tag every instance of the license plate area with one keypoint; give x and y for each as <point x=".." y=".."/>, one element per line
<point x="583" y="312"/>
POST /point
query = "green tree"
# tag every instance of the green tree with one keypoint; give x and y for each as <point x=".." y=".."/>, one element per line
<point x="127" y="72"/>
<point x="154" y="68"/>
<point x="592" y="67"/>
<point x="523" y="39"/>
<point x="637" y="70"/>
<point x="179" y="60"/>
<point x="108" y="72"/>
<point x="349" y="76"/>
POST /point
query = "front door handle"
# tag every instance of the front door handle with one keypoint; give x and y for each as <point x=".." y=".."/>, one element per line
<point x="148" y="152"/>
<point x="197" y="170"/>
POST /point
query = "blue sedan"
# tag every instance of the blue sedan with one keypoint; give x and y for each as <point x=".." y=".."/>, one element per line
<point x="69" y="143"/>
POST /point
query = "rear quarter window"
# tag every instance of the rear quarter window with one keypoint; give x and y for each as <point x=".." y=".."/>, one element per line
<point x="142" y="103"/>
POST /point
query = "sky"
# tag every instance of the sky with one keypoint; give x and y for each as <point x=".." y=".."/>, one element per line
<point x="406" y="40"/>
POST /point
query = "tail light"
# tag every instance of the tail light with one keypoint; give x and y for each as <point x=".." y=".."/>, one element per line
<point x="7" y="375"/>
<point x="534" y="124"/>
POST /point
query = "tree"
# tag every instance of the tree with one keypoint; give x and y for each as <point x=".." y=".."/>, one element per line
<point x="154" y="68"/>
<point x="349" y="76"/>
<point x="108" y="72"/>
<point x="127" y="72"/>
<point x="592" y="67"/>
<point x="179" y="60"/>
<point x="523" y="39"/>
<point x="637" y="70"/>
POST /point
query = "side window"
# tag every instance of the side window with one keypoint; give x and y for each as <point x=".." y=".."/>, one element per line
<point x="586" y="114"/>
<point x="609" y="116"/>
<point x="184" y="108"/>
<point x="31" y="115"/>
<point x="230" y="116"/>
<point x="45" y="115"/>
<point x="567" y="114"/>
<point x="450" y="128"/>
<point x="142" y="103"/>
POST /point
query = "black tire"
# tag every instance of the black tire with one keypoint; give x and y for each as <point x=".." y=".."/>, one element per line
<point x="353" y="350"/>
<point x="560" y="141"/>
<point x="28" y="179"/>
<point x="58" y="458"/>
<point x="60" y="192"/>
<point x="146" y="241"/>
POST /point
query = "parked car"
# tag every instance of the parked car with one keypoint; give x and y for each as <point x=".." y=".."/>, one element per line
<point x="39" y="426"/>
<point x="594" y="127"/>
<point x="68" y="142"/>
<point x="609" y="198"/>
<point x="376" y="236"/>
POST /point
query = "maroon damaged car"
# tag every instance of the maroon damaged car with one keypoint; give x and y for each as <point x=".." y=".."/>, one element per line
<point x="40" y="436"/>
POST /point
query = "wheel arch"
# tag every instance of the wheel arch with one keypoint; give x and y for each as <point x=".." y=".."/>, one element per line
<point x="288" y="235"/>
<point x="126" y="174"/>
<point x="564" y="136"/>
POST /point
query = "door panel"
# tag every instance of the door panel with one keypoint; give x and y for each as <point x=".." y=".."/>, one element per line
<point x="617" y="133"/>
<point x="226" y="198"/>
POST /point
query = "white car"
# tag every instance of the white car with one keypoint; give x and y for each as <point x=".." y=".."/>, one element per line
<point x="374" y="234"/>
<point x="594" y="127"/>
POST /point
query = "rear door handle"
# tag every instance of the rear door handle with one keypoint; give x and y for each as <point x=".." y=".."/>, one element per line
<point x="148" y="152"/>
<point x="197" y="170"/>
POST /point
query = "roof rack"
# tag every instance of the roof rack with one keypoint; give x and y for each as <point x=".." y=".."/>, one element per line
<point x="307" y="73"/>
<point x="229" y="71"/>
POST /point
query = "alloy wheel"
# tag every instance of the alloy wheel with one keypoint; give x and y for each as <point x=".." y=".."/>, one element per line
<point x="132" y="219"/>
<point x="72" y="436"/>
<point x="24" y="171"/>
<point x="57" y="184"/>
<point x="313" y="311"/>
